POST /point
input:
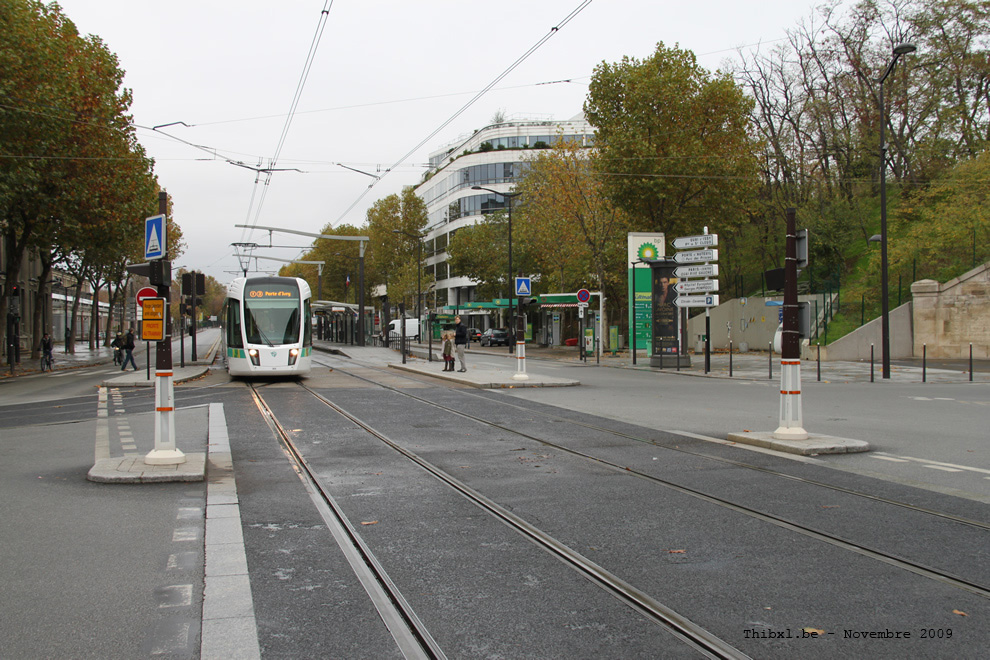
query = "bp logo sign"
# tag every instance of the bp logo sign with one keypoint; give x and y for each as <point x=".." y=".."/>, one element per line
<point x="648" y="252"/>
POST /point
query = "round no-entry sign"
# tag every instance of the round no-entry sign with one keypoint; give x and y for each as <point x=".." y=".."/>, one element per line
<point x="146" y="292"/>
<point x="583" y="295"/>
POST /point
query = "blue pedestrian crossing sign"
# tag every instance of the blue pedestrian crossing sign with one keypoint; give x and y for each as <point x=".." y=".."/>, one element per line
<point x="523" y="286"/>
<point x="154" y="237"/>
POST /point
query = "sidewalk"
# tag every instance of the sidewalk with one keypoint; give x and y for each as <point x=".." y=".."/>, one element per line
<point x="750" y="366"/>
<point x="487" y="375"/>
<point x="84" y="356"/>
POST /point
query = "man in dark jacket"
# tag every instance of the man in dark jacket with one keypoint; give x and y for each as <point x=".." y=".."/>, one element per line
<point x="129" y="350"/>
<point x="460" y="342"/>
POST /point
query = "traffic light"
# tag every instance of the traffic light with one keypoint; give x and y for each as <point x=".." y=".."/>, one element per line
<point x="525" y="301"/>
<point x="158" y="272"/>
<point x="801" y="248"/>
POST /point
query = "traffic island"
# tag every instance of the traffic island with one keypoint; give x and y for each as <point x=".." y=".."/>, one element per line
<point x="133" y="470"/>
<point x="812" y="445"/>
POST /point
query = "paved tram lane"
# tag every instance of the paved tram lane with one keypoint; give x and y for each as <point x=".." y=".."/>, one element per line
<point x="761" y="587"/>
<point x="307" y="601"/>
<point x="481" y="589"/>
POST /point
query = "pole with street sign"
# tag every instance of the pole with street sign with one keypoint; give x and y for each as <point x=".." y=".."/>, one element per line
<point x="706" y="270"/>
<point x="159" y="269"/>
<point x="523" y="289"/>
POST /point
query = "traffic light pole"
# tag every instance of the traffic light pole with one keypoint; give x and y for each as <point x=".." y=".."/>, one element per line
<point x="165" y="451"/>
<point x="791" y="422"/>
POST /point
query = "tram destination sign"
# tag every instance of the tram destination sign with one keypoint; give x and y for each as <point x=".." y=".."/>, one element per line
<point x="696" y="256"/>
<point x="697" y="301"/>
<point x="706" y="270"/>
<point x="691" y="242"/>
<point x="696" y="286"/>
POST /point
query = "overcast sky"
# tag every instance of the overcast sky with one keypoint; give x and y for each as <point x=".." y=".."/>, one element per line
<point x="386" y="75"/>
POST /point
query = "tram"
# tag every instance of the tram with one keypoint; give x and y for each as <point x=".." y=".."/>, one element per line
<point x="268" y="327"/>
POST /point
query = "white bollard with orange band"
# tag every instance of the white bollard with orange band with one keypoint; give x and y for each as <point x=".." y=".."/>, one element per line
<point x="791" y="423"/>
<point x="165" y="452"/>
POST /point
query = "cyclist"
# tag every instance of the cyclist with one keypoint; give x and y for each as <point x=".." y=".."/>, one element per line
<point x="47" y="359"/>
<point x="118" y="349"/>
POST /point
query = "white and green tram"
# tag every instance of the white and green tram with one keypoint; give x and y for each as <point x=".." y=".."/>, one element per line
<point x="268" y="327"/>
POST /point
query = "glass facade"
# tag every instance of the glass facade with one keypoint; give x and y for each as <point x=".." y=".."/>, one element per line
<point x="448" y="193"/>
<point x="476" y="175"/>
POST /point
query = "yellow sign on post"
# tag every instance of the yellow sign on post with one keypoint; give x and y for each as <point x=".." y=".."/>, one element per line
<point x="153" y="325"/>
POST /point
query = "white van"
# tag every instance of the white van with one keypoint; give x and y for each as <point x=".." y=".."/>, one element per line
<point x="412" y="329"/>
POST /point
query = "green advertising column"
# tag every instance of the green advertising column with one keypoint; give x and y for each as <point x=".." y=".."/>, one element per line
<point x="642" y="248"/>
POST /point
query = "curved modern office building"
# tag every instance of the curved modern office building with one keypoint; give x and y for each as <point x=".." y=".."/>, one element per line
<point x="493" y="157"/>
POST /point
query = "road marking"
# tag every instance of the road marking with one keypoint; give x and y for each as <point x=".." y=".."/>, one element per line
<point x="891" y="458"/>
<point x="176" y="595"/>
<point x="102" y="426"/>
<point x="944" y="469"/>
<point x="948" y="465"/>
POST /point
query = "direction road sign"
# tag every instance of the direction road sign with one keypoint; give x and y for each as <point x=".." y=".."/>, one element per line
<point x="687" y="242"/>
<point x="146" y="292"/>
<point x="697" y="301"/>
<point x="154" y="237"/>
<point x="697" y="256"/>
<point x="696" y="286"/>
<point x="707" y="270"/>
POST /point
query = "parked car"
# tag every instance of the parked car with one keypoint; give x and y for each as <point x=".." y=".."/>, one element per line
<point x="474" y="334"/>
<point x="495" y="337"/>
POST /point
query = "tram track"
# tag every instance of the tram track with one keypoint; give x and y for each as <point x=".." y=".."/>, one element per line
<point x="414" y="640"/>
<point x="726" y="461"/>
<point x="917" y="568"/>
<point x="411" y="636"/>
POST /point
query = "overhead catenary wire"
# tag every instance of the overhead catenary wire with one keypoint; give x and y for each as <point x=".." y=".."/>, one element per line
<point x="293" y="107"/>
<point x="522" y="58"/>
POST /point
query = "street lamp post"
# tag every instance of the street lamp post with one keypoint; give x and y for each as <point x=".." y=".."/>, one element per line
<point x="899" y="49"/>
<point x="512" y="292"/>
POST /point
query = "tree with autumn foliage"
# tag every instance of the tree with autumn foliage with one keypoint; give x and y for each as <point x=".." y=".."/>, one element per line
<point x="74" y="182"/>
<point x="575" y="235"/>
<point x="672" y="141"/>
<point x="392" y="256"/>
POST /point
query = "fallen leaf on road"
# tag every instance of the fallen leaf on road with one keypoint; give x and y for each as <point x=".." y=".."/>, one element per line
<point x="373" y="522"/>
<point x="677" y="552"/>
<point x="816" y="631"/>
<point x="959" y="612"/>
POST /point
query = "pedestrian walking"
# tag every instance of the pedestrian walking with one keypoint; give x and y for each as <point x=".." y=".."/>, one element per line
<point x="448" y="350"/>
<point x="460" y="342"/>
<point x="129" y="350"/>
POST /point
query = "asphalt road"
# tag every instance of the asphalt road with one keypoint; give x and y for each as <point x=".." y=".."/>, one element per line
<point x="90" y="569"/>
<point x="918" y="431"/>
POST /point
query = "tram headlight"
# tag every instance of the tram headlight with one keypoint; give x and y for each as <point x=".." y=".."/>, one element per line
<point x="293" y="354"/>
<point x="253" y="354"/>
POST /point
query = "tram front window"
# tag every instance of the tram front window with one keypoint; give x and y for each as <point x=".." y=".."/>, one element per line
<point x="271" y="314"/>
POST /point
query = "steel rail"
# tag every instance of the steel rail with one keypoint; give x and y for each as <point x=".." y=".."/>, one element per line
<point x="728" y="461"/>
<point x="409" y="632"/>
<point x="686" y="630"/>
<point x="905" y="564"/>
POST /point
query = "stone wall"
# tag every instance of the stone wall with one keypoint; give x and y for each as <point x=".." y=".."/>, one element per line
<point x="949" y="317"/>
